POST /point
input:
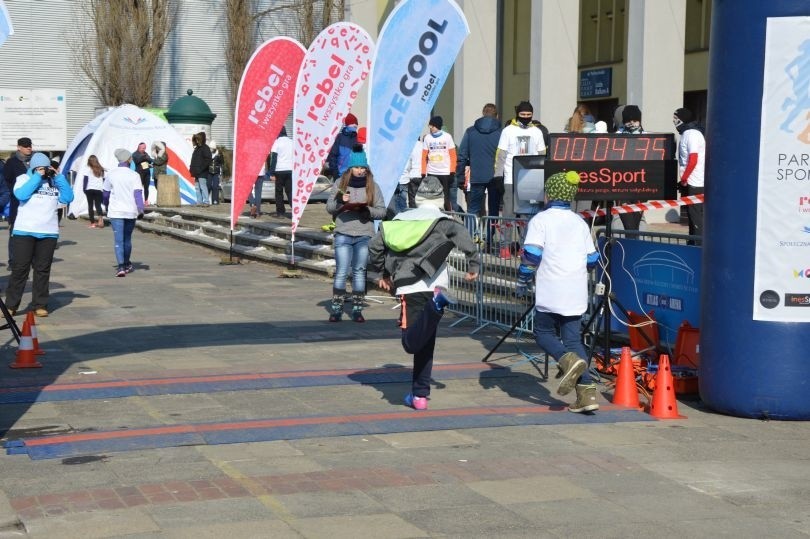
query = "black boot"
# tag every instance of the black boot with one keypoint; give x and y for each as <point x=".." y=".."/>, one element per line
<point x="336" y="309"/>
<point x="357" y="307"/>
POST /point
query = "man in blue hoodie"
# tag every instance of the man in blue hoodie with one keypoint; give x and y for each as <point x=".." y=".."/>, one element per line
<point x="477" y="151"/>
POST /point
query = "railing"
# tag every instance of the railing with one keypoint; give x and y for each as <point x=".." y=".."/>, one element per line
<point x="490" y="299"/>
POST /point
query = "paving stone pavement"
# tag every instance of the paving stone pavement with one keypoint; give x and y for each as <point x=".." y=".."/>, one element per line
<point x="182" y="314"/>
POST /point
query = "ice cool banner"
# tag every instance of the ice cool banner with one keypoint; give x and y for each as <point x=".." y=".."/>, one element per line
<point x="417" y="46"/>
<point x="6" y="28"/>
<point x="263" y="103"/>
<point x="334" y="68"/>
<point x="782" y="256"/>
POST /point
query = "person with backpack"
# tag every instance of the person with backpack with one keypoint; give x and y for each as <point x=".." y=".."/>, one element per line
<point x="408" y="257"/>
<point x="215" y="172"/>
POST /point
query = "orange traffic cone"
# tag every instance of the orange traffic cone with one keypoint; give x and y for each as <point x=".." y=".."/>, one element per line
<point x="32" y="324"/>
<point x="25" y="353"/>
<point x="626" y="393"/>
<point x="664" y="405"/>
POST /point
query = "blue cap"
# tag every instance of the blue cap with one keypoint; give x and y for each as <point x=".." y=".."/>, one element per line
<point x="39" y="160"/>
<point x="358" y="159"/>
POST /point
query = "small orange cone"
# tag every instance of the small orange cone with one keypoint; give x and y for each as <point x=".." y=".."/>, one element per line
<point x="626" y="393"/>
<point x="25" y="353"/>
<point x="664" y="405"/>
<point x="32" y="324"/>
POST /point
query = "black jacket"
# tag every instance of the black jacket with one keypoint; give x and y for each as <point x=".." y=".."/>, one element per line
<point x="142" y="157"/>
<point x="14" y="167"/>
<point x="200" y="161"/>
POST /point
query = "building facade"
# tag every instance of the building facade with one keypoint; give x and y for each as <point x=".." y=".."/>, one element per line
<point x="556" y="53"/>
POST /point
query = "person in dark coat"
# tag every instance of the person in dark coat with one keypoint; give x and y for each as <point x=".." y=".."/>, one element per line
<point x="477" y="151"/>
<point x="143" y="166"/>
<point x="338" y="158"/>
<point x="200" y="163"/>
<point x="16" y="165"/>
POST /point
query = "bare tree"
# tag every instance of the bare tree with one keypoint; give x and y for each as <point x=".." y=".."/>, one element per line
<point x="242" y="19"/>
<point x="240" y="40"/>
<point x="121" y="57"/>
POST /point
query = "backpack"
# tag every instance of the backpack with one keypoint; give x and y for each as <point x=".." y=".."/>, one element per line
<point x="214" y="167"/>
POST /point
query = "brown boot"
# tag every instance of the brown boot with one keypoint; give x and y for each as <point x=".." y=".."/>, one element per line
<point x="586" y="399"/>
<point x="253" y="212"/>
<point x="571" y="366"/>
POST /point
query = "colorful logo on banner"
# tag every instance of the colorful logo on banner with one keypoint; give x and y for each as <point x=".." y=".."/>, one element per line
<point x="657" y="277"/>
<point x="175" y="165"/>
<point x="334" y="69"/>
<point x="416" y="49"/>
<point x="781" y="234"/>
<point x="265" y="99"/>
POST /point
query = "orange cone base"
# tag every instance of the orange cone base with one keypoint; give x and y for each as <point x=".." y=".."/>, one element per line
<point x="32" y="364"/>
<point x="664" y="405"/>
<point x="626" y="393"/>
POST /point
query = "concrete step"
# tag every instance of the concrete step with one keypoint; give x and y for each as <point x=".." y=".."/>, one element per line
<point x="253" y="240"/>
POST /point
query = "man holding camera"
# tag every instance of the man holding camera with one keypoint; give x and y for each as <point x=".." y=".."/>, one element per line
<point x="36" y="230"/>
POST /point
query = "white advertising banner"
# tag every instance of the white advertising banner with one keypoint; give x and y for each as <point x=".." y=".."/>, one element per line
<point x="334" y="69"/>
<point x="782" y="256"/>
<point x="40" y="115"/>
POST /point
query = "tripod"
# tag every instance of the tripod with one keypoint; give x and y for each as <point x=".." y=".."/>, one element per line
<point x="10" y="322"/>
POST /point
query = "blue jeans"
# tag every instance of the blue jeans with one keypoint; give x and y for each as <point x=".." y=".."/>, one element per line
<point x="351" y="252"/>
<point x="201" y="186"/>
<point x="546" y="326"/>
<point x="122" y="236"/>
<point x="477" y="191"/>
<point x="401" y="198"/>
<point x="255" y="198"/>
<point x="214" y="188"/>
<point x="454" y="194"/>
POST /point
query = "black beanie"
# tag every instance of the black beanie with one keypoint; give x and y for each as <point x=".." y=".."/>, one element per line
<point x="684" y="115"/>
<point x="437" y="122"/>
<point x="631" y="113"/>
<point x="524" y="106"/>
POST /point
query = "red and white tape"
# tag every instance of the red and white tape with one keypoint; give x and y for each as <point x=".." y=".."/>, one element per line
<point x="649" y="205"/>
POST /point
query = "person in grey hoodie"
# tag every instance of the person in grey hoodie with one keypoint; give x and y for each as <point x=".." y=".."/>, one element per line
<point x="477" y="151"/>
<point x="408" y="256"/>
<point x="356" y="201"/>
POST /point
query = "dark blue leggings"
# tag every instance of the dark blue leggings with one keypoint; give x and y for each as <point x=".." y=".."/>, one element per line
<point x="421" y="321"/>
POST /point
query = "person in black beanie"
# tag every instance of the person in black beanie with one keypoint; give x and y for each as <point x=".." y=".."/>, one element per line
<point x="631" y="120"/>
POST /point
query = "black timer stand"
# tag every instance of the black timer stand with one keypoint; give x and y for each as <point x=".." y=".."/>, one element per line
<point x="607" y="300"/>
<point x="10" y="323"/>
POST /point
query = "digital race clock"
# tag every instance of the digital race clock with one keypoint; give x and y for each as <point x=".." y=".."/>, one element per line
<point x="616" y="166"/>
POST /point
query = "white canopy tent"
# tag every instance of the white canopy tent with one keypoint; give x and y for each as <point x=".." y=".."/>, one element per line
<point x="125" y="127"/>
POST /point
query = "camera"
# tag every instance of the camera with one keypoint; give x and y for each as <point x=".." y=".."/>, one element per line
<point x="49" y="174"/>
